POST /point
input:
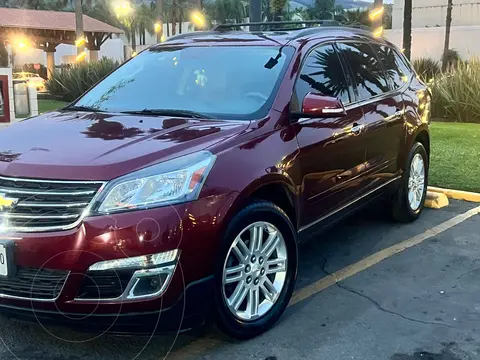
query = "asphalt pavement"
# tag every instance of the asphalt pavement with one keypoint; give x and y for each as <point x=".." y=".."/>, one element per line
<point x="420" y="303"/>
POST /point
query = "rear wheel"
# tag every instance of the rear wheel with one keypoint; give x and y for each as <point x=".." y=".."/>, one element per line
<point x="256" y="270"/>
<point x="409" y="200"/>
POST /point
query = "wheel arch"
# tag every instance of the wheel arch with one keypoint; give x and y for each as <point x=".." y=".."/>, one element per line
<point x="424" y="138"/>
<point x="276" y="188"/>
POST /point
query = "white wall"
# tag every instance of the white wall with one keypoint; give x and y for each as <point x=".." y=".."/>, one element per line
<point x="429" y="41"/>
<point x="112" y="48"/>
<point x="433" y="13"/>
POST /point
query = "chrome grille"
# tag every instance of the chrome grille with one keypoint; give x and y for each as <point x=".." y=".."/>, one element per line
<point x="44" y="205"/>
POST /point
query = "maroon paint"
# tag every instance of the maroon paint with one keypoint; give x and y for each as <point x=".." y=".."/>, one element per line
<point x="320" y="161"/>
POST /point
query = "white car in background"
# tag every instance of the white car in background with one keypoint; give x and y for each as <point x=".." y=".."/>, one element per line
<point x="31" y="79"/>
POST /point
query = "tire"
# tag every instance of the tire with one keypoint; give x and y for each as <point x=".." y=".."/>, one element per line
<point x="244" y="323"/>
<point x="402" y="208"/>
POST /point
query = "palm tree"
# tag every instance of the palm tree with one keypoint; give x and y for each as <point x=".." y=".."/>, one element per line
<point x="357" y="17"/>
<point x="227" y="11"/>
<point x="145" y="20"/>
<point x="448" y="26"/>
<point x="277" y="7"/>
<point x="407" y="29"/>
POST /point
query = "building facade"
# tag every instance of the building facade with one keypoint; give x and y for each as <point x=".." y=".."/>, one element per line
<point x="432" y="13"/>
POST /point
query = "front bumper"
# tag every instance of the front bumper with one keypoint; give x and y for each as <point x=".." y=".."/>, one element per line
<point x="189" y="311"/>
<point x="191" y="228"/>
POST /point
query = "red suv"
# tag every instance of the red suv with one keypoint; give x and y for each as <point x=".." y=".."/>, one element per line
<point x="184" y="181"/>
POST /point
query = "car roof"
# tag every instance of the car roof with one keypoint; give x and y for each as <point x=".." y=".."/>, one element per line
<point x="266" y="38"/>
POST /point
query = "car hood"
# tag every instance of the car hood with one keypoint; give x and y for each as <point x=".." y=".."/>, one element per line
<point x="97" y="146"/>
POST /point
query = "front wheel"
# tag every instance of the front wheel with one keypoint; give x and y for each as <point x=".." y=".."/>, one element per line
<point x="256" y="270"/>
<point x="409" y="200"/>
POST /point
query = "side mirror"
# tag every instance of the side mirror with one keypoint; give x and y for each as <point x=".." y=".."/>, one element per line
<point x="321" y="106"/>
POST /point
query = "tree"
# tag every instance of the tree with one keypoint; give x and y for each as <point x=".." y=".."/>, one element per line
<point x="324" y="9"/>
<point x="448" y="25"/>
<point x="277" y="7"/>
<point x="3" y="55"/>
<point x="224" y="11"/>
<point x="407" y="29"/>
<point x="357" y="17"/>
<point x="145" y="20"/>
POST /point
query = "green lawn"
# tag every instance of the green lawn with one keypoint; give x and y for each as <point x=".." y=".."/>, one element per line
<point x="49" y="105"/>
<point x="455" y="156"/>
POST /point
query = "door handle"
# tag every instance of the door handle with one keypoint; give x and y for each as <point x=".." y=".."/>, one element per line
<point x="358" y="128"/>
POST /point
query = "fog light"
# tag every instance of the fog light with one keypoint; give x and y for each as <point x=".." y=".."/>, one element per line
<point x="151" y="278"/>
<point x="140" y="262"/>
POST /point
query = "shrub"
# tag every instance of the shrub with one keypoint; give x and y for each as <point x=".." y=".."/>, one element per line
<point x="42" y="72"/>
<point x="69" y="82"/>
<point x="453" y="58"/>
<point x="455" y="93"/>
<point x="427" y="68"/>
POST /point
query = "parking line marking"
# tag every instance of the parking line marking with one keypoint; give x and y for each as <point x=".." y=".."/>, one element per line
<point x="201" y="346"/>
<point x="373" y="259"/>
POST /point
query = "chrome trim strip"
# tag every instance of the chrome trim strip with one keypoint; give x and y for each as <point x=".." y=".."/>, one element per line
<point x="136" y="276"/>
<point x="21" y="216"/>
<point x="53" y="205"/>
<point x="49" y="181"/>
<point x="35" y="192"/>
<point x="5" y="296"/>
<point x="347" y="205"/>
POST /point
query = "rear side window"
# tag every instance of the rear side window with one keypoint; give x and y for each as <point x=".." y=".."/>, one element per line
<point x="367" y="72"/>
<point x="396" y="70"/>
<point x="321" y="73"/>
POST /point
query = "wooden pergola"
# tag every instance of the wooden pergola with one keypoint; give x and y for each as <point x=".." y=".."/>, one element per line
<point x="47" y="29"/>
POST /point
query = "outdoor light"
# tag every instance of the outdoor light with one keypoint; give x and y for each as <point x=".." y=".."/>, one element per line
<point x="198" y="19"/>
<point x="375" y="13"/>
<point x="123" y="8"/>
<point x="81" y="56"/>
<point x="158" y="27"/>
<point x="134" y="53"/>
<point x="79" y="42"/>
<point x="378" y="32"/>
<point x="21" y="43"/>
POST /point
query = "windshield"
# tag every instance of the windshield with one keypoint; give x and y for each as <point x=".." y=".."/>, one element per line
<point x="229" y="82"/>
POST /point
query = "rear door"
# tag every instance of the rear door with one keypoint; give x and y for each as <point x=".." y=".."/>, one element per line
<point x="382" y="108"/>
<point x="332" y="152"/>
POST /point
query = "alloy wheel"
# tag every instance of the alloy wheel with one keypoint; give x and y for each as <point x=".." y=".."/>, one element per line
<point x="255" y="271"/>
<point x="416" y="182"/>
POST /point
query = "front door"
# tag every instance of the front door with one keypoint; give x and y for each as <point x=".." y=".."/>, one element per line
<point x="332" y="150"/>
<point x="4" y="101"/>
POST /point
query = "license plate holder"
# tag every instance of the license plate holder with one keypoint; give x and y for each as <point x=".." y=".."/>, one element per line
<point x="7" y="264"/>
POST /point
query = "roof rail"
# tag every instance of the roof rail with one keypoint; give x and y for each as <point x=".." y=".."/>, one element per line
<point x="223" y="27"/>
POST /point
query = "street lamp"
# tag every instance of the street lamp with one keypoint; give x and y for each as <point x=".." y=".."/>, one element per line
<point x="123" y="9"/>
<point x="198" y="19"/>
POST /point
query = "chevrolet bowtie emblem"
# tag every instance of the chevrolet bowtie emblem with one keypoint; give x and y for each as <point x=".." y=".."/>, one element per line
<point x="6" y="203"/>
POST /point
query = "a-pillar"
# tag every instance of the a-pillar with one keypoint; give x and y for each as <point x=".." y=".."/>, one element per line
<point x="50" y="50"/>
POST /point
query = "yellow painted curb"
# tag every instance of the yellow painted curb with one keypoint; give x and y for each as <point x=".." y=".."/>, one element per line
<point x="457" y="194"/>
<point x="435" y="200"/>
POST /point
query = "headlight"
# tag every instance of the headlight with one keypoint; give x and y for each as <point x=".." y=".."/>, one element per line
<point x="171" y="182"/>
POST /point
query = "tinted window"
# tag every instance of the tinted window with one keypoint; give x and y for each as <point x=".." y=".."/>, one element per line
<point x="322" y="73"/>
<point x="367" y="71"/>
<point x="395" y="69"/>
<point x="228" y="82"/>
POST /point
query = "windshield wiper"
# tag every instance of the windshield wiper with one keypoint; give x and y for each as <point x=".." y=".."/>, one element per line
<point x="169" y="112"/>
<point x="80" y="108"/>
